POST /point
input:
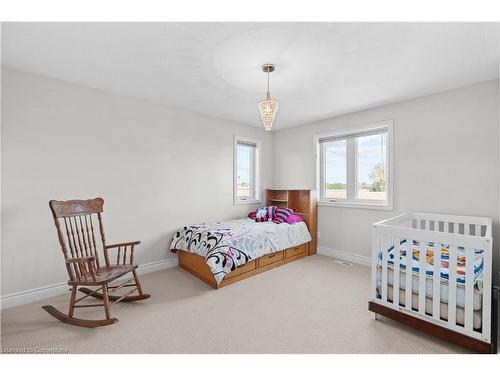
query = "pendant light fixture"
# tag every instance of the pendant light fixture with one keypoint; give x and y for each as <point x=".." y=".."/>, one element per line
<point x="268" y="108"/>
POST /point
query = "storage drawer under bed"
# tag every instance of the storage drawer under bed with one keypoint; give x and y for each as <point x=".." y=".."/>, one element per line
<point x="250" y="266"/>
<point x="271" y="258"/>
<point x="296" y="251"/>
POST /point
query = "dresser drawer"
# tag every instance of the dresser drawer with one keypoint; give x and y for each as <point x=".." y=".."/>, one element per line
<point x="295" y="251"/>
<point x="250" y="266"/>
<point x="271" y="258"/>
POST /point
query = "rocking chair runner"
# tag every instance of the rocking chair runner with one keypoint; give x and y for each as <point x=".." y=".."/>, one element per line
<point x="75" y="229"/>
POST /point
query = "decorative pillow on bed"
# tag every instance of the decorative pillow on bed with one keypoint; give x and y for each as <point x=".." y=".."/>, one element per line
<point x="265" y="213"/>
<point x="282" y="214"/>
<point x="294" y="219"/>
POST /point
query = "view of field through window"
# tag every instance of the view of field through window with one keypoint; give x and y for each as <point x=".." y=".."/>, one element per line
<point x="371" y="167"/>
<point x="371" y="161"/>
<point x="336" y="169"/>
<point x="244" y="165"/>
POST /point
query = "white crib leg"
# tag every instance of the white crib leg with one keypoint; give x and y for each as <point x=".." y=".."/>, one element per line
<point x="374" y="316"/>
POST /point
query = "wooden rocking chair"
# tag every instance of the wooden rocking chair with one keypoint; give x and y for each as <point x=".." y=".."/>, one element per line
<point x="75" y="229"/>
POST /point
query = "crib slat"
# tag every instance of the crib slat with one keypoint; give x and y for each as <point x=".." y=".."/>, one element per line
<point x="395" y="281"/>
<point x="421" y="277"/>
<point x="452" y="287"/>
<point x="409" y="271"/>
<point x="486" y="295"/>
<point x="477" y="231"/>
<point x="436" y="282"/>
<point x="467" y="229"/>
<point x="469" y="288"/>
<point x="375" y="251"/>
<point x="384" y="269"/>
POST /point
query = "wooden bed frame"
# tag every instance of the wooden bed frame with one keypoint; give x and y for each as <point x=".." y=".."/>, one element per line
<point x="303" y="203"/>
<point x="197" y="265"/>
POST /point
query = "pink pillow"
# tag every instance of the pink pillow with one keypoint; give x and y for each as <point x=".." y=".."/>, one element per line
<point x="252" y="215"/>
<point x="294" y="219"/>
<point x="282" y="213"/>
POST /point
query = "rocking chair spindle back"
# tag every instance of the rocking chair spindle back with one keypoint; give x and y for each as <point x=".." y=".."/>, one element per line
<point x="74" y="222"/>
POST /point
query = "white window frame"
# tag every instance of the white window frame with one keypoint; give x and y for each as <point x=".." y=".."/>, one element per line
<point x="351" y="200"/>
<point x="257" y="171"/>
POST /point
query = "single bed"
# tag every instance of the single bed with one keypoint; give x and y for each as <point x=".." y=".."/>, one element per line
<point x="226" y="248"/>
<point x="224" y="252"/>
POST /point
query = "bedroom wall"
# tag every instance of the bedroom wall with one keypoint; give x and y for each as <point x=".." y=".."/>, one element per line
<point x="156" y="167"/>
<point x="445" y="160"/>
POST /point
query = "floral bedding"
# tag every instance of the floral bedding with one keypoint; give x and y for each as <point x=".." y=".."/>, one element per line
<point x="229" y="244"/>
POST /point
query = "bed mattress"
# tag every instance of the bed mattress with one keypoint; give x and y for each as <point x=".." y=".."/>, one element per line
<point x="428" y="250"/>
<point x="232" y="243"/>
<point x="460" y="290"/>
<point x="443" y="308"/>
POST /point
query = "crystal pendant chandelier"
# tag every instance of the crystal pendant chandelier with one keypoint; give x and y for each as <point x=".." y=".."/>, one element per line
<point x="268" y="108"/>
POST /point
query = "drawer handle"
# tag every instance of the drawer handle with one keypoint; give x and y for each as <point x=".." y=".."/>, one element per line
<point x="296" y="248"/>
<point x="272" y="256"/>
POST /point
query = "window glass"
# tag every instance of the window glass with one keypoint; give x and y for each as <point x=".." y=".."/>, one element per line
<point x="244" y="170"/>
<point x="335" y="176"/>
<point x="371" y="167"/>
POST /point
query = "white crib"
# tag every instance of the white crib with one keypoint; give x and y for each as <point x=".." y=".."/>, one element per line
<point x="455" y="309"/>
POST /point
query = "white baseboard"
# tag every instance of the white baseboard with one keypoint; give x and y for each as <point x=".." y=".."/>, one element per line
<point x="47" y="291"/>
<point x="157" y="266"/>
<point x="31" y="295"/>
<point x="343" y="255"/>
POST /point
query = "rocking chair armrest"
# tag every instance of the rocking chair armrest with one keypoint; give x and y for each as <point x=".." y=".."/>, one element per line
<point x="81" y="259"/>
<point x="124" y="248"/>
<point x="123" y="244"/>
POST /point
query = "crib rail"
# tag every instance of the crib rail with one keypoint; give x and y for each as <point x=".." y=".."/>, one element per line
<point x="461" y="236"/>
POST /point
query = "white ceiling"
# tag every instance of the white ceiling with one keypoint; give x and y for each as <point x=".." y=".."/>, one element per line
<point x="322" y="69"/>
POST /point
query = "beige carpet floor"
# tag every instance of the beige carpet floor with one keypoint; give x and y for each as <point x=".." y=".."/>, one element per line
<point x="313" y="305"/>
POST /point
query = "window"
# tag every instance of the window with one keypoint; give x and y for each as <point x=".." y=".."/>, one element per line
<point x="354" y="167"/>
<point x="246" y="170"/>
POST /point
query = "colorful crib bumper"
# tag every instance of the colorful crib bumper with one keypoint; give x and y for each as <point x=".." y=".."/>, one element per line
<point x="429" y="260"/>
